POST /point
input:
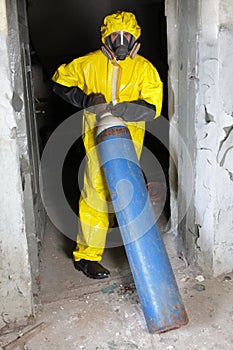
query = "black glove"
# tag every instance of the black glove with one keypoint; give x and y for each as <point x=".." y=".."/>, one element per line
<point x="96" y="103"/>
<point x="72" y="95"/>
<point x="134" y="111"/>
<point x="95" y="99"/>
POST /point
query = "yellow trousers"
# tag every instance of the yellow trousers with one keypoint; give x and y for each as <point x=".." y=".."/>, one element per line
<point x="95" y="203"/>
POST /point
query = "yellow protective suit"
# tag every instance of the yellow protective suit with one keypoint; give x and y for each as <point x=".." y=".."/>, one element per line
<point x="122" y="81"/>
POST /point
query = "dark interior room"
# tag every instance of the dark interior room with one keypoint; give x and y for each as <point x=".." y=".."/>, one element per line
<point x="63" y="30"/>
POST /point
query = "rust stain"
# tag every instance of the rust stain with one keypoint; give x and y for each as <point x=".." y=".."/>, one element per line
<point x="118" y="131"/>
<point x="169" y="323"/>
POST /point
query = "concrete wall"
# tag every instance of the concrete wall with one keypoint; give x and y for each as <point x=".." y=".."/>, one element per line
<point x="15" y="275"/>
<point x="214" y="129"/>
<point x="27" y="137"/>
<point x="182" y="31"/>
<point x="171" y="12"/>
<point x="201" y="82"/>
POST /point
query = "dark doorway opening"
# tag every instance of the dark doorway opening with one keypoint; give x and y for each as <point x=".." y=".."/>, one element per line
<point x="61" y="31"/>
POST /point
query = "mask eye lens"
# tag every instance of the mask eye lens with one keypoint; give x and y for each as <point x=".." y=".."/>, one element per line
<point x="127" y="36"/>
<point x="119" y="36"/>
<point x="113" y="37"/>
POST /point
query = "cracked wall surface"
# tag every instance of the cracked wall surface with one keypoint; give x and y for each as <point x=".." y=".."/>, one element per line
<point x="201" y="113"/>
<point x="214" y="130"/>
<point x="182" y="31"/>
<point x="15" y="276"/>
<point x="27" y="138"/>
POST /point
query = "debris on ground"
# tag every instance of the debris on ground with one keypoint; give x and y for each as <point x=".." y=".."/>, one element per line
<point x="200" y="278"/>
<point x="109" y="289"/>
<point x="23" y="337"/>
<point x="199" y="287"/>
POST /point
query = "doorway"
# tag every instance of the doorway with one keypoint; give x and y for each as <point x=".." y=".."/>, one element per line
<point x="59" y="33"/>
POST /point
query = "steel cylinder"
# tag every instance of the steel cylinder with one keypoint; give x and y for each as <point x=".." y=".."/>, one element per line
<point x="150" y="266"/>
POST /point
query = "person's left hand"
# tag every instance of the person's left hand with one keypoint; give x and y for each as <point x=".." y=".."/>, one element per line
<point x="119" y="109"/>
<point x="133" y="111"/>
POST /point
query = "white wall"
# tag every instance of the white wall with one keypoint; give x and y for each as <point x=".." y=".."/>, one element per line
<point x="214" y="128"/>
<point x="182" y="28"/>
<point x="201" y="70"/>
<point x="15" y="276"/>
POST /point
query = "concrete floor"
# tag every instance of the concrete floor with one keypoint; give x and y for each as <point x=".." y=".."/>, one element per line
<point x="80" y="313"/>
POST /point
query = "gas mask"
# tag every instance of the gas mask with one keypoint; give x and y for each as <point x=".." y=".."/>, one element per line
<point x="120" y="43"/>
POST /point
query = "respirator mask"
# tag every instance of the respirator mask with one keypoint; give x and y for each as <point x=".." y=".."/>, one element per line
<point x="120" y="43"/>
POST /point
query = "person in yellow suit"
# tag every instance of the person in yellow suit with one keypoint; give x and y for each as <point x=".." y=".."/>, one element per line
<point x="118" y="79"/>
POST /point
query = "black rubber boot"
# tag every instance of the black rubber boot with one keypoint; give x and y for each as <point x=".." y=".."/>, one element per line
<point x="91" y="269"/>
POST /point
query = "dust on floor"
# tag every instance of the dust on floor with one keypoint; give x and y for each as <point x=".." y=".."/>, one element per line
<point x="79" y="313"/>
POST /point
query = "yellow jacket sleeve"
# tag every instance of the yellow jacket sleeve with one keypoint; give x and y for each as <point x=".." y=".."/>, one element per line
<point x="70" y="74"/>
<point x="152" y="87"/>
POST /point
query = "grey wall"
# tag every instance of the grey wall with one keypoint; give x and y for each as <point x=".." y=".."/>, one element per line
<point x="201" y="134"/>
<point x="182" y="31"/>
<point x="214" y="132"/>
<point x="15" y="274"/>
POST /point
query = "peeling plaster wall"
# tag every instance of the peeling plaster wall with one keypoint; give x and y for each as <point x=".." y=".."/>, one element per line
<point x="15" y="288"/>
<point x="22" y="101"/>
<point x="171" y="12"/>
<point x="201" y="115"/>
<point x="214" y="127"/>
<point x="182" y="20"/>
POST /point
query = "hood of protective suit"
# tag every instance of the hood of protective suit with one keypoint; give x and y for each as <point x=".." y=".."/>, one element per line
<point x="118" y="21"/>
